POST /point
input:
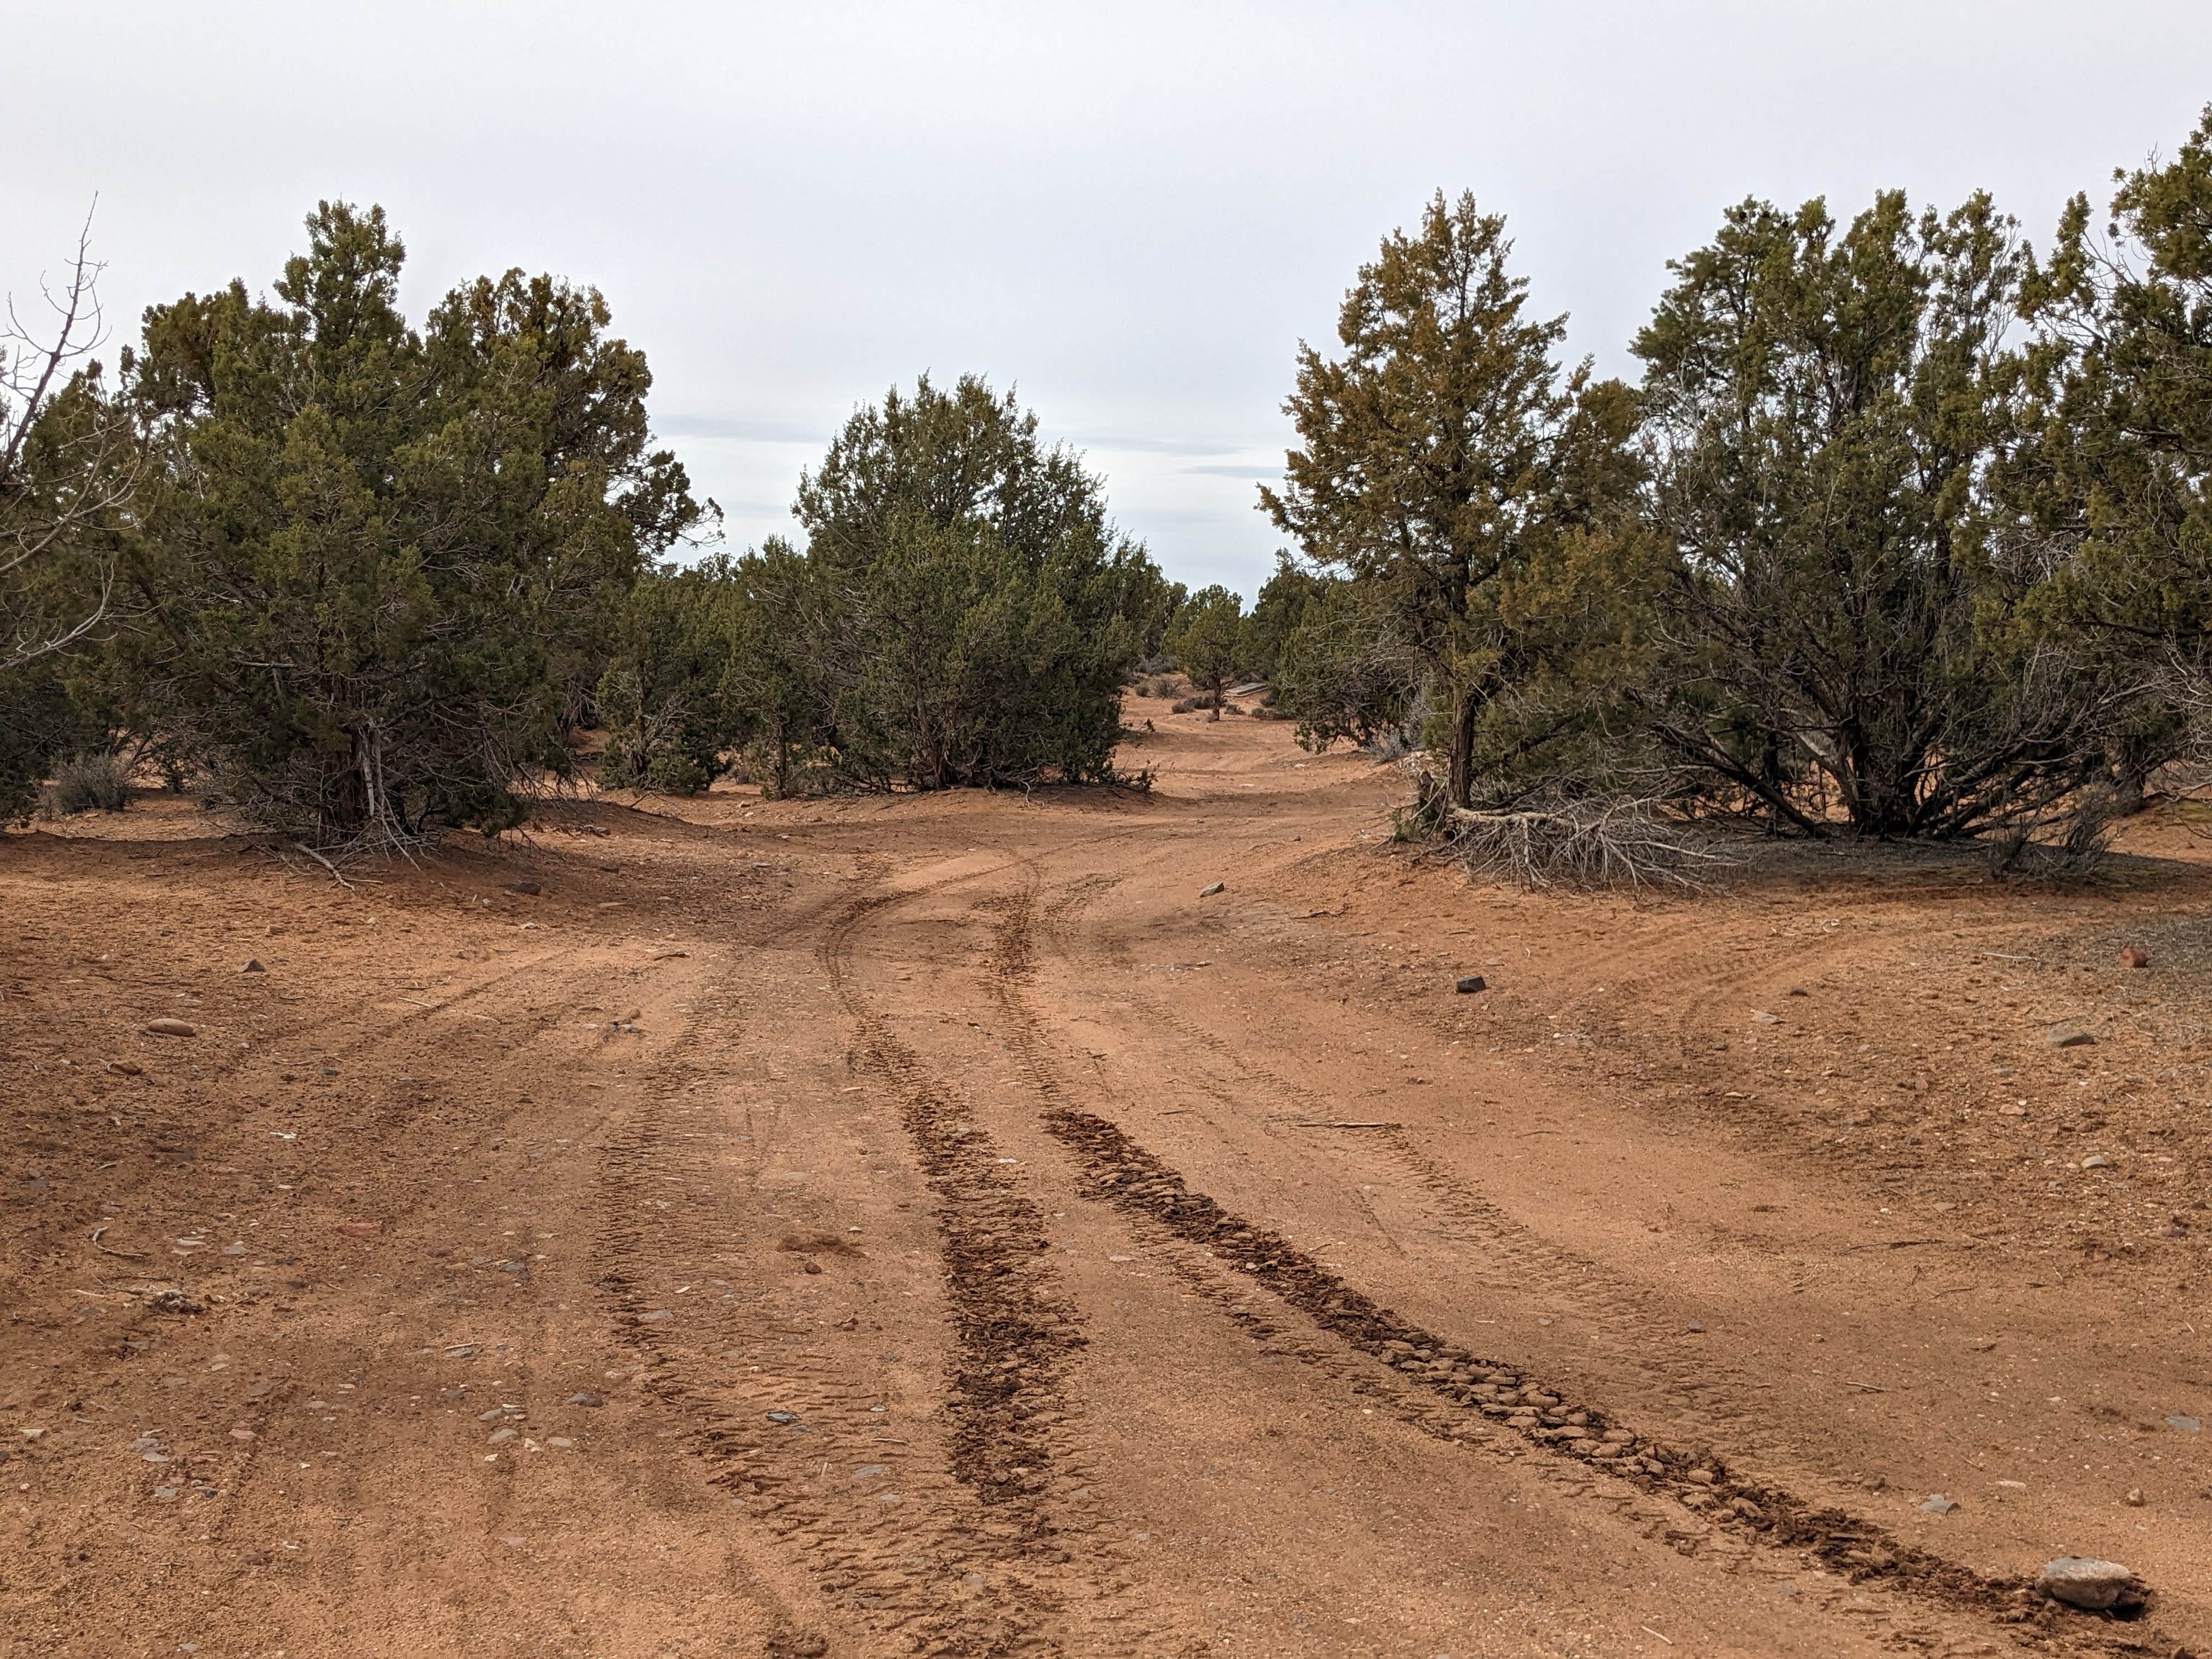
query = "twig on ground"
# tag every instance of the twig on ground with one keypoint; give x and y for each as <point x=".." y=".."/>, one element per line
<point x="127" y="1256"/>
<point x="301" y="846"/>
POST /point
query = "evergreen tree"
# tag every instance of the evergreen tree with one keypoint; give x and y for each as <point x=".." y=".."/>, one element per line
<point x="379" y="569"/>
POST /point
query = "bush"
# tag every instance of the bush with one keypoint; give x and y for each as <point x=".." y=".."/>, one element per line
<point x="965" y="613"/>
<point x="88" y="783"/>
<point x="388" y="565"/>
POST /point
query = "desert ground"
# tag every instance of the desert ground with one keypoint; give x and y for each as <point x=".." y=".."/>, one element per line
<point x="927" y="1225"/>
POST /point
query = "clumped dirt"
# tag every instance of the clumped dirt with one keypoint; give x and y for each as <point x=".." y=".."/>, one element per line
<point x="929" y="1226"/>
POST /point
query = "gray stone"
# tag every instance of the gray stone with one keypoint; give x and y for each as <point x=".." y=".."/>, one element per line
<point x="1469" y="983"/>
<point x="1216" y="887"/>
<point x="2069" y="1037"/>
<point x="2096" y="1161"/>
<point x="501" y="1437"/>
<point x="2084" y="1582"/>
<point x="1936" y="1503"/>
<point x="2186" y="1425"/>
<point x="584" y="1397"/>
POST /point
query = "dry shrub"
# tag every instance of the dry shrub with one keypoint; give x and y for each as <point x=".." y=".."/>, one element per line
<point x="1581" y="844"/>
<point x="2065" y="845"/>
<point x="1159" y="685"/>
<point x="86" y="783"/>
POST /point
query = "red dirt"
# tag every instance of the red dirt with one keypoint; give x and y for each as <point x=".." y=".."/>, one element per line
<point x="981" y="1244"/>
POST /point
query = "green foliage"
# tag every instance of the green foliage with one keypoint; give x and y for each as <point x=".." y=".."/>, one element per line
<point x="965" y="613"/>
<point x="41" y="722"/>
<point x="1283" y="603"/>
<point x="664" y="698"/>
<point x="1444" y="458"/>
<point x="1821" y="403"/>
<point x="1345" y="672"/>
<point x="1207" y="640"/>
<point x="2106" y="501"/>
<point x="379" y="569"/>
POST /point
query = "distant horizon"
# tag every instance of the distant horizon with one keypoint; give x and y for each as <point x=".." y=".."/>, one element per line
<point x="1132" y="220"/>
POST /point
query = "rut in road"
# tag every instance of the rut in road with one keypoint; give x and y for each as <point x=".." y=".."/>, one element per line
<point x="1012" y="1443"/>
<point x="936" y="1571"/>
<point x="1124" y="1173"/>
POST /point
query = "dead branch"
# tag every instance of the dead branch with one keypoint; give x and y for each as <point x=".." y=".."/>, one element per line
<point x="1582" y="843"/>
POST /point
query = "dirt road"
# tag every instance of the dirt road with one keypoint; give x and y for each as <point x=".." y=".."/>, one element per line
<point x="871" y="1227"/>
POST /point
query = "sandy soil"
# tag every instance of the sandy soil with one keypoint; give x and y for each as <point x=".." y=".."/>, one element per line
<point x="879" y="1226"/>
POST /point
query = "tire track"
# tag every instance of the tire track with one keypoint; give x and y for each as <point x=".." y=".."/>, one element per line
<point x="1121" y="1172"/>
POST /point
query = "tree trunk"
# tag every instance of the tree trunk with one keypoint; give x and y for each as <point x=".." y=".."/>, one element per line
<point x="1459" y="781"/>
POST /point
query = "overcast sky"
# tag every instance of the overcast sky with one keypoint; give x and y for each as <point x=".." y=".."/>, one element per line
<point x="1131" y="212"/>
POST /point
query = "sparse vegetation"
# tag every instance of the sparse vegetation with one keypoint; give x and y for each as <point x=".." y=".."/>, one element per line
<point x="88" y="783"/>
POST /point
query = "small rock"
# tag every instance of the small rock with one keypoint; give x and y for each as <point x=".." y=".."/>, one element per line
<point x="253" y="966"/>
<point x="871" y="1471"/>
<point x="561" y="1443"/>
<point x="1796" y="991"/>
<point x="658" y="1316"/>
<point x="527" y="888"/>
<point x="1936" y="1503"/>
<point x="1760" y="1017"/>
<point x="584" y="1397"/>
<point x="164" y="1494"/>
<point x="2084" y="1582"/>
<point x="1216" y="887"/>
<point x="175" y="1028"/>
<point x="2185" y="1425"/>
<point x="2135" y="957"/>
<point x="2096" y="1161"/>
<point x="2134" y="1500"/>
<point x="501" y="1437"/>
<point x="126" y="1068"/>
<point x="1469" y="983"/>
<point x="783" y="1417"/>
<point x="460" y="1350"/>
<point x="2068" y="1036"/>
<point x="173" y="1301"/>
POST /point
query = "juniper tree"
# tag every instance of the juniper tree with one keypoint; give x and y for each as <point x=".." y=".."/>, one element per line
<point x="1442" y="456"/>
<point x="379" y="568"/>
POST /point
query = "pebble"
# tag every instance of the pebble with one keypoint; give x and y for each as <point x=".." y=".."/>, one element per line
<point x="2096" y="1161"/>
<point x="2068" y="1036"/>
<point x="561" y="1443"/>
<point x="175" y="1028"/>
<point x="1760" y="1017"/>
<point x="501" y="1437"/>
<point x="527" y="888"/>
<point x="1796" y="991"/>
<point x="253" y="966"/>
<point x="584" y="1397"/>
<point x="2135" y="1499"/>
<point x="126" y="1068"/>
<point x="2084" y="1582"/>
<point x="2135" y="957"/>
<point x="1209" y="891"/>
<point x="658" y="1316"/>
<point x="1470" y="983"/>
<point x="2186" y="1425"/>
<point x="1936" y="1503"/>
